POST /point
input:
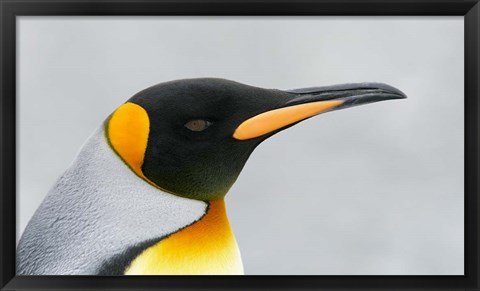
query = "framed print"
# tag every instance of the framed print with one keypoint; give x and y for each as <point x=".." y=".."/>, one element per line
<point x="146" y="140"/>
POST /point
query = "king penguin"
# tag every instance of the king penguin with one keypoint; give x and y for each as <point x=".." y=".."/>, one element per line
<point x="144" y="195"/>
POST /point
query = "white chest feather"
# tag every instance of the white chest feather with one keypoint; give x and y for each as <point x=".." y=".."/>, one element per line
<point x="97" y="209"/>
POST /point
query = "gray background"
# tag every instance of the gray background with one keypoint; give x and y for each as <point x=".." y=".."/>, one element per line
<point x="376" y="189"/>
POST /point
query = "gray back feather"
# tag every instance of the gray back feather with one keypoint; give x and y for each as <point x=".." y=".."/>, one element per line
<point x="97" y="209"/>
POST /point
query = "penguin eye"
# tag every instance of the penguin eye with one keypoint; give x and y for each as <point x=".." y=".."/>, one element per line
<point x="197" y="124"/>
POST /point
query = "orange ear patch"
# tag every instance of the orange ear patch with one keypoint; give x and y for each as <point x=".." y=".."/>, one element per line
<point x="127" y="131"/>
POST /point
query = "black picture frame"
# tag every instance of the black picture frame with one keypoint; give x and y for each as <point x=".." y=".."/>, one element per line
<point x="10" y="9"/>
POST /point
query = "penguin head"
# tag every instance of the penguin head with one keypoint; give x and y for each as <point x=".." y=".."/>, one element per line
<point x="192" y="137"/>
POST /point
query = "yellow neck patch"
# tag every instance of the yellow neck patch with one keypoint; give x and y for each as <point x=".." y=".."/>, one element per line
<point x="207" y="247"/>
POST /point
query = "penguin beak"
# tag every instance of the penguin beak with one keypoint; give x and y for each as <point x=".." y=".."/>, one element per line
<point x="308" y="102"/>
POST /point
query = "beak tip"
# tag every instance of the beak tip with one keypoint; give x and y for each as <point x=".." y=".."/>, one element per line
<point x="396" y="93"/>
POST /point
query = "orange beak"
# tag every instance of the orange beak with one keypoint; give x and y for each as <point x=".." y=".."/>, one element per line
<point x="309" y="102"/>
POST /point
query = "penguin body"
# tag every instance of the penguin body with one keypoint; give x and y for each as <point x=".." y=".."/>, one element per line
<point x="125" y="216"/>
<point x="145" y="194"/>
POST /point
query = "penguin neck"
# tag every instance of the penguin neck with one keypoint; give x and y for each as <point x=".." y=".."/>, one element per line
<point x="215" y="214"/>
<point x="207" y="246"/>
